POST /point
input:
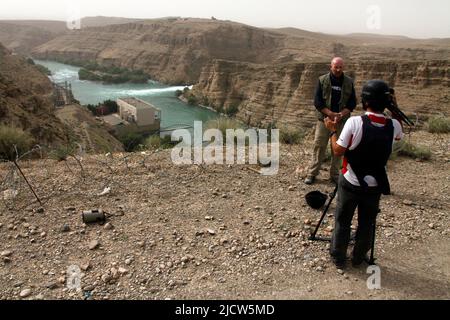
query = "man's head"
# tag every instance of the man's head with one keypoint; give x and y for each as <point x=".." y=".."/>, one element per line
<point x="337" y="67"/>
<point x="376" y="95"/>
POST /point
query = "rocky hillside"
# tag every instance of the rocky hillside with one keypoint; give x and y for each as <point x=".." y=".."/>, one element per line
<point x="175" y="50"/>
<point x="170" y="50"/>
<point x="26" y="102"/>
<point x="101" y="21"/>
<point x="270" y="74"/>
<point x="284" y="93"/>
<point x="25" y="99"/>
<point x="22" y="36"/>
<point x="215" y="232"/>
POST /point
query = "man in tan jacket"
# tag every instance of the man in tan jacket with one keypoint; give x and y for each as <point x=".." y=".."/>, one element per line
<point x="335" y="98"/>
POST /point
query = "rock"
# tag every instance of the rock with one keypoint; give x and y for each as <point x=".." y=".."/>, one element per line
<point x="128" y="261"/>
<point x="408" y="202"/>
<point x="123" y="271"/>
<point x="105" y="192"/>
<point x="114" y="273"/>
<point x="62" y="280"/>
<point x="6" y="253"/>
<point x="94" y="244"/>
<point x="52" y="285"/>
<point x="106" y="277"/>
<point x="70" y="208"/>
<point x="431" y="226"/>
<point x="40" y="210"/>
<point x="25" y="293"/>
<point x="291" y="188"/>
<point x="108" y="226"/>
<point x="211" y="232"/>
<point x="85" y="266"/>
<point x="65" y="228"/>
<point x="141" y="244"/>
<point x="89" y="287"/>
<point x="340" y="271"/>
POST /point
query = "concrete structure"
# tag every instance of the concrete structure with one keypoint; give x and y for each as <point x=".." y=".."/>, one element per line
<point x="139" y="112"/>
<point x="135" y="115"/>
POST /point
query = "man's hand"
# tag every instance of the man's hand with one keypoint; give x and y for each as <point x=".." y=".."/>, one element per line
<point x="338" y="151"/>
<point x="330" y="114"/>
<point x="344" y="113"/>
<point x="331" y="125"/>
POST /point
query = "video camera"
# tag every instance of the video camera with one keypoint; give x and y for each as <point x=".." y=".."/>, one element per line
<point x="396" y="112"/>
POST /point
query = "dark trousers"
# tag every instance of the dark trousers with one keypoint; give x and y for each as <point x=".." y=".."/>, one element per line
<point x="351" y="197"/>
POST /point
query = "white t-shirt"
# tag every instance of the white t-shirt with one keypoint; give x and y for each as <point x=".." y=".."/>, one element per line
<point x="351" y="136"/>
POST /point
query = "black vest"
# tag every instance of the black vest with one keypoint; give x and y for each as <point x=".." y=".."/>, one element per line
<point x="371" y="155"/>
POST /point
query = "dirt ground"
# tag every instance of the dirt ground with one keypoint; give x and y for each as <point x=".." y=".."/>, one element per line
<point x="213" y="232"/>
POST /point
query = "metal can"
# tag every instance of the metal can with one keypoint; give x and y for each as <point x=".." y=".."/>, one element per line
<point x="94" y="216"/>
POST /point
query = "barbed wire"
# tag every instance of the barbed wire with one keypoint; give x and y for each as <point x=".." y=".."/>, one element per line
<point x="101" y="173"/>
<point x="34" y="178"/>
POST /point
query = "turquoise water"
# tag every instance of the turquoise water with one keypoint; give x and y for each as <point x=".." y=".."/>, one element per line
<point x="174" y="111"/>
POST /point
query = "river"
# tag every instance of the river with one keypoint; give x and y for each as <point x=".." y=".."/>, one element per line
<point x="174" y="111"/>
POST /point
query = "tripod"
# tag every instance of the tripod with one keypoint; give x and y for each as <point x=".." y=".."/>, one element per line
<point x="314" y="237"/>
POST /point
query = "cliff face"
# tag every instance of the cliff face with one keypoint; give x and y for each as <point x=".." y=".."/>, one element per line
<point x="175" y="50"/>
<point x="284" y="93"/>
<point x="172" y="51"/>
<point x="25" y="99"/>
<point x="269" y="74"/>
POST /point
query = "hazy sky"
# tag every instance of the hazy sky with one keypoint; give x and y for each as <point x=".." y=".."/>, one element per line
<point x="414" y="18"/>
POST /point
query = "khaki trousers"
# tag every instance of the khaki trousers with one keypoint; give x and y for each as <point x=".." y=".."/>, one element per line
<point x="321" y="142"/>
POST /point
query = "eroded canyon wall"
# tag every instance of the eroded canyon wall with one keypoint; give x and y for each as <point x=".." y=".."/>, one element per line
<point x="284" y="93"/>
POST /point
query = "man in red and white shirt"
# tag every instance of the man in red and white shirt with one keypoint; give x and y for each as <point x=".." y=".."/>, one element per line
<point x="366" y="144"/>
<point x="351" y="137"/>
